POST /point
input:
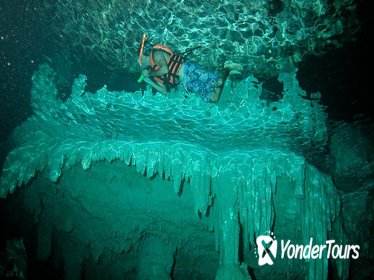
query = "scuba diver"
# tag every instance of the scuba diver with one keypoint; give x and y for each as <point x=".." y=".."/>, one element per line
<point x="164" y="69"/>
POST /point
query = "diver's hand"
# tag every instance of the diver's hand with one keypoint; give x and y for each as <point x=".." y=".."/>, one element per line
<point x="145" y="73"/>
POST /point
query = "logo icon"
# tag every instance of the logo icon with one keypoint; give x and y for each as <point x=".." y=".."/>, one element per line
<point x="267" y="249"/>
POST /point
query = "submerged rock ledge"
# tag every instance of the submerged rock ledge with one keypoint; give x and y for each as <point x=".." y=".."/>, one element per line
<point x="107" y="125"/>
<point x="244" y="161"/>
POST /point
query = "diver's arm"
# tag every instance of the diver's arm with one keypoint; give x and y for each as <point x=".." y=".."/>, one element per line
<point x="159" y="87"/>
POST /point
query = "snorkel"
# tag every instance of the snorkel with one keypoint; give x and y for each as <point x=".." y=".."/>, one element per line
<point x="140" y="58"/>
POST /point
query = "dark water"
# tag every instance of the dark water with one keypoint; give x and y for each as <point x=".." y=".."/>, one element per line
<point x="24" y="44"/>
<point x="342" y="75"/>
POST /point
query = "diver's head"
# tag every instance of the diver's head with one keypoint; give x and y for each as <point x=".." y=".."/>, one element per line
<point x="147" y="48"/>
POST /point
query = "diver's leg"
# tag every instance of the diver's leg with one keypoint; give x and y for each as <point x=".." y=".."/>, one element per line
<point x="230" y="65"/>
<point x="221" y="82"/>
<point x="214" y="97"/>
